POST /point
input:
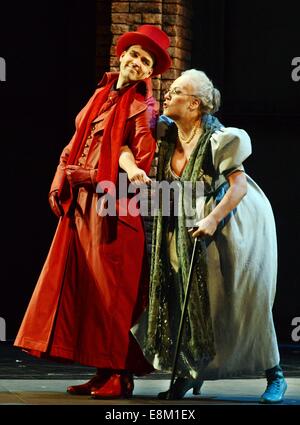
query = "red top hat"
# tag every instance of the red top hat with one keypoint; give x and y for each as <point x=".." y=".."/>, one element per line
<point x="152" y="39"/>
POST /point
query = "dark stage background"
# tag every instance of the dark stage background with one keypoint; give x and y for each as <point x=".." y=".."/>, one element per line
<point x="49" y="48"/>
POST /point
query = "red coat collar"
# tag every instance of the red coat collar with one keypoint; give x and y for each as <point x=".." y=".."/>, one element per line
<point x="144" y="87"/>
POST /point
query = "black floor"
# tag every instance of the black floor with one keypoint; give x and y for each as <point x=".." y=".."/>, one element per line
<point x="16" y="364"/>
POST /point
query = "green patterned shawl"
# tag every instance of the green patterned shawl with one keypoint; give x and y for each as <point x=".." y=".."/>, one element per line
<point x="198" y="333"/>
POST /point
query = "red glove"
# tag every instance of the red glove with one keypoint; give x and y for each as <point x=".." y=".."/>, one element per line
<point x="55" y="203"/>
<point x="78" y="176"/>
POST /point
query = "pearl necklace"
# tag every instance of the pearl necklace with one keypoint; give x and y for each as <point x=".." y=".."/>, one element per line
<point x="187" y="140"/>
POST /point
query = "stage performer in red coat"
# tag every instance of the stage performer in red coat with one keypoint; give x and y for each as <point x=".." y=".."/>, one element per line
<point x="93" y="286"/>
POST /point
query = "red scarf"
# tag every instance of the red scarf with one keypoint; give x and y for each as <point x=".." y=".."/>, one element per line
<point x="113" y="134"/>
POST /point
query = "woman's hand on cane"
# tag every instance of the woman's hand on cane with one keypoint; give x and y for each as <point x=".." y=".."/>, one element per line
<point x="207" y="227"/>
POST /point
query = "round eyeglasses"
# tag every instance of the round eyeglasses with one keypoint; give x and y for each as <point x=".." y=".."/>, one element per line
<point x="176" y="91"/>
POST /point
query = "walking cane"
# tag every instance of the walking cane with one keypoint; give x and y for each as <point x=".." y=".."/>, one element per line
<point x="181" y="324"/>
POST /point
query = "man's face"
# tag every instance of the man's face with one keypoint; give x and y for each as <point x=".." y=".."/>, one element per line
<point x="135" y="64"/>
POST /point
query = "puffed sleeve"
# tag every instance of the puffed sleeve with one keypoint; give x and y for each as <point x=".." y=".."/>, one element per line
<point x="230" y="147"/>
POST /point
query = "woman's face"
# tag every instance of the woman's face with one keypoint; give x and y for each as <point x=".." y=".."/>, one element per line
<point x="178" y="99"/>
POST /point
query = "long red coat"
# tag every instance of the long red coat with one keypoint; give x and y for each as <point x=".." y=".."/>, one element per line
<point x="94" y="283"/>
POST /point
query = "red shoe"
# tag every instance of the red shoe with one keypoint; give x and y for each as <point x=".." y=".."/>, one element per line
<point x="85" y="389"/>
<point x="117" y="386"/>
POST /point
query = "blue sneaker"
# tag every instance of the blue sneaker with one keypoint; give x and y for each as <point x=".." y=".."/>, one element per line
<point x="276" y="386"/>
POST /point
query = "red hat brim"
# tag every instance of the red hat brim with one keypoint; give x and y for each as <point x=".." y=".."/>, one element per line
<point x="163" y="60"/>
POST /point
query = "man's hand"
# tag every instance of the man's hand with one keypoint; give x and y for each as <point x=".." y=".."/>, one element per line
<point x="55" y="203"/>
<point x="77" y="176"/>
<point x="138" y="176"/>
<point x="135" y="174"/>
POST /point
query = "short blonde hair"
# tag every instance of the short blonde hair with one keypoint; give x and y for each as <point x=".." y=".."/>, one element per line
<point x="204" y="89"/>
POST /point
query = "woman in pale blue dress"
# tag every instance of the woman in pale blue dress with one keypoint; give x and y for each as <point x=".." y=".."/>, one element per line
<point x="229" y="328"/>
